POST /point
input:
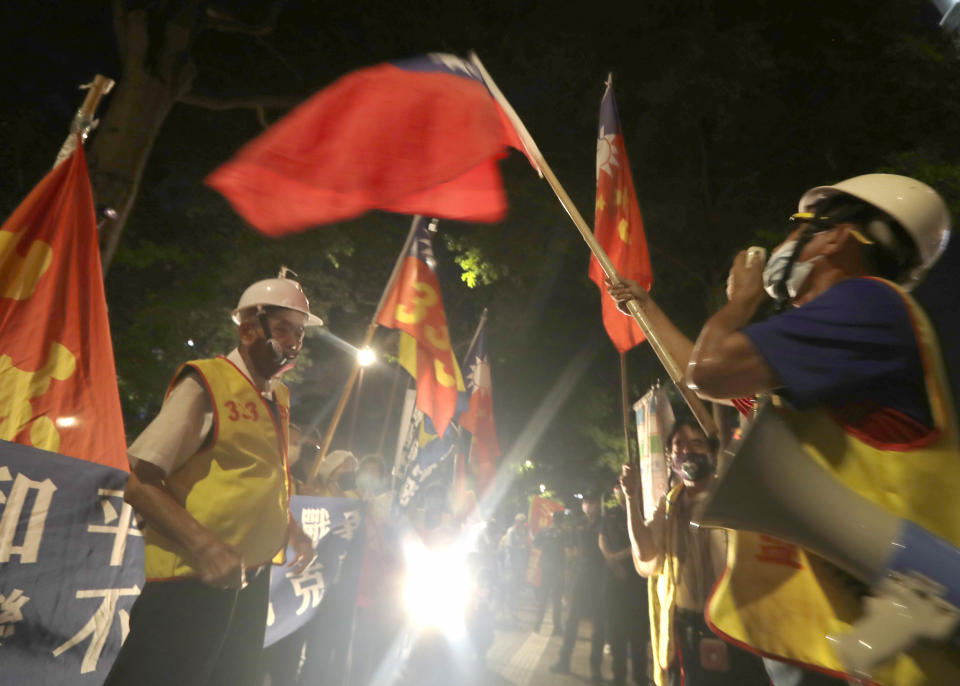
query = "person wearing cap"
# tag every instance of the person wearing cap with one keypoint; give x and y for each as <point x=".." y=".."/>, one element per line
<point x="625" y="597"/>
<point x="553" y="561"/>
<point x="856" y="368"/>
<point x="337" y="475"/>
<point x="209" y="479"/>
<point x="516" y="547"/>
<point x="586" y="601"/>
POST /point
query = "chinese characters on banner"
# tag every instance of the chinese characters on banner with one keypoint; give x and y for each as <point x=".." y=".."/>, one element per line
<point x="71" y="566"/>
<point x="336" y="527"/>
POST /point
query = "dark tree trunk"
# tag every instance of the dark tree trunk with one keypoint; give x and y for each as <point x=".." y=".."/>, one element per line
<point x="157" y="70"/>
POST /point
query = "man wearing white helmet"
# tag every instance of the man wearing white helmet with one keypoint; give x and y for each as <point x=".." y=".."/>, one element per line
<point x="210" y="480"/>
<point x="857" y="368"/>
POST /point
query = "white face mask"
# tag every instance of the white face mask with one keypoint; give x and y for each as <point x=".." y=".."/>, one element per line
<point x="777" y="265"/>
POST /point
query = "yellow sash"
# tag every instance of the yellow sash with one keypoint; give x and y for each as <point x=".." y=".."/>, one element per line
<point x="661" y="595"/>
<point x="237" y="486"/>
<point x="777" y="600"/>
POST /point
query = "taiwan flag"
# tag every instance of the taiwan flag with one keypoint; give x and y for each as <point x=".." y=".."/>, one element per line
<point x="618" y="224"/>
<point x="58" y="383"/>
<point x="414" y="306"/>
<point x="478" y="418"/>
<point x="420" y="136"/>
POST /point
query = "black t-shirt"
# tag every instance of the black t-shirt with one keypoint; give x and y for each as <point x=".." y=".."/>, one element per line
<point x="586" y="538"/>
<point x="550" y="543"/>
<point x="615" y="534"/>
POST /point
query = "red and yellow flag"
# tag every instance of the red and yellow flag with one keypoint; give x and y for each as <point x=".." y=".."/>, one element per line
<point x="618" y="224"/>
<point x="415" y="308"/>
<point x="58" y="383"/>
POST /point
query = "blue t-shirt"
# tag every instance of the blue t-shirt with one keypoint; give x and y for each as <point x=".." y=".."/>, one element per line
<point x="852" y="346"/>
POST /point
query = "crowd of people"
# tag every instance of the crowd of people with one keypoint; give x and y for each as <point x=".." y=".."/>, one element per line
<point x="851" y="361"/>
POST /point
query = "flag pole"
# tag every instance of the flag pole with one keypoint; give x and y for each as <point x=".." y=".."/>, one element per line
<point x="83" y="122"/>
<point x="625" y="405"/>
<point x="389" y="415"/>
<point x="368" y="337"/>
<point x="696" y="405"/>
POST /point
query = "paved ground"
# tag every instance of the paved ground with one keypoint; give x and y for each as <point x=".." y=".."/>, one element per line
<point x="520" y="657"/>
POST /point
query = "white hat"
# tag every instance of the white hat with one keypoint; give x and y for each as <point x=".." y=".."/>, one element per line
<point x="333" y="460"/>
<point x="917" y="208"/>
<point x="278" y="292"/>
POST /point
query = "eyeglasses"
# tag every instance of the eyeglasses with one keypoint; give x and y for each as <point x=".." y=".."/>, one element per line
<point x="822" y="224"/>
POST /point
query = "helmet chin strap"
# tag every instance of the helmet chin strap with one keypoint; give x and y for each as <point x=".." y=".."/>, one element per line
<point x="275" y="348"/>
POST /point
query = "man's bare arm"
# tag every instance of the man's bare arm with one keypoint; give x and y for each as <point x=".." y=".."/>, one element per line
<point x="646" y="554"/>
<point x="218" y="563"/>
<point x="725" y="364"/>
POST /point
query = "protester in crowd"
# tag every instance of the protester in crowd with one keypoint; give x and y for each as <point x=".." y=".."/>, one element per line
<point x="857" y="369"/>
<point x="625" y="597"/>
<point x="328" y="635"/>
<point x="209" y="479"/>
<point x="550" y="541"/>
<point x="516" y="547"/>
<point x="337" y="475"/>
<point x="586" y="601"/>
<point x="379" y="592"/>
<point x="684" y="563"/>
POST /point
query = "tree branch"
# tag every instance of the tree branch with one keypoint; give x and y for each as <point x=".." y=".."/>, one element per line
<point x="209" y="102"/>
<point x="224" y="22"/>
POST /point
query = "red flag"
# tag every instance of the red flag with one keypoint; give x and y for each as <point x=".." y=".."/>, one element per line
<point x="618" y="224"/>
<point x="478" y="418"/>
<point x="415" y="307"/>
<point x="420" y="136"/>
<point x="58" y="383"/>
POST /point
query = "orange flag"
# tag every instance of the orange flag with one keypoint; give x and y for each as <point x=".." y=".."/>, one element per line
<point x="618" y="224"/>
<point x="415" y="307"/>
<point x="58" y="383"/>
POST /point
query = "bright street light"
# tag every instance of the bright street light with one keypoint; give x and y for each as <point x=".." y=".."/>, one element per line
<point x="528" y="464"/>
<point x="366" y="357"/>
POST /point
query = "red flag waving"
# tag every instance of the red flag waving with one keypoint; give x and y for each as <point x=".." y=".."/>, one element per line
<point x="415" y="307"/>
<point x="58" y="383"/>
<point x="618" y="224"/>
<point x="420" y="136"/>
<point x="478" y="418"/>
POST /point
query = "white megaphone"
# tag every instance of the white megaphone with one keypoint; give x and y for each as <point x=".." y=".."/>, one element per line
<point x="914" y="576"/>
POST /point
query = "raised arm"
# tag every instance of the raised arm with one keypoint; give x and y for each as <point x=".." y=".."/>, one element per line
<point x="647" y="554"/>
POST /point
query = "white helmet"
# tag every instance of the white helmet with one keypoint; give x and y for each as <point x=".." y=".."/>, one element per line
<point x="278" y="292"/>
<point x="917" y="207"/>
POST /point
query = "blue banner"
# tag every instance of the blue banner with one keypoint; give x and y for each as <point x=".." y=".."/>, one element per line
<point x="71" y="566"/>
<point x="336" y="526"/>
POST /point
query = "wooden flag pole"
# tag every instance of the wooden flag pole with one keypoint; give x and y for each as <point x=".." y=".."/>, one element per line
<point x="696" y="405"/>
<point x="631" y="456"/>
<point x="83" y="121"/>
<point x="367" y="339"/>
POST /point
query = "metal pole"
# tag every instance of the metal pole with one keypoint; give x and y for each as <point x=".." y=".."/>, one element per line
<point x="696" y="405"/>
<point x="631" y="456"/>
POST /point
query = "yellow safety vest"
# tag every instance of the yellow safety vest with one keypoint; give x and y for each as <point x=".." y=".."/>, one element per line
<point x="777" y="600"/>
<point x="661" y="596"/>
<point x="237" y="486"/>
